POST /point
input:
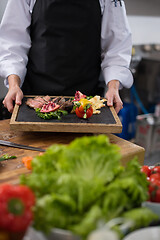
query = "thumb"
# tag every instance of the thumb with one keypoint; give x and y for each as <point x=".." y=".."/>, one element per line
<point x="109" y="101"/>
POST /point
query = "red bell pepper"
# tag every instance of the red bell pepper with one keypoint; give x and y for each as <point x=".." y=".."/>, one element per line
<point x="16" y="202"/>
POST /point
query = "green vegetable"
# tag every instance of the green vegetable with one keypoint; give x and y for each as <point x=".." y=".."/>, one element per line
<point x="138" y="217"/>
<point x="89" y="97"/>
<point x="88" y="222"/>
<point x="115" y="202"/>
<point x="56" y="114"/>
<point x="141" y="217"/>
<point x="6" y="157"/>
<point x="54" y="210"/>
<point x="132" y="182"/>
<point x="80" y="184"/>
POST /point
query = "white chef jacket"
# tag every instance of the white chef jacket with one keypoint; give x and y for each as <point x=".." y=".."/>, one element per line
<point x="116" y="42"/>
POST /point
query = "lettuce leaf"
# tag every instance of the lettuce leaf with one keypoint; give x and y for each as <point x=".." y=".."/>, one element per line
<point x="83" y="182"/>
<point x="141" y="217"/>
<point x="133" y="182"/>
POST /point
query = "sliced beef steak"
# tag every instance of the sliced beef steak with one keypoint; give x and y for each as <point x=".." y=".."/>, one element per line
<point x="67" y="105"/>
<point x="50" y="105"/>
<point x="33" y="103"/>
<point x="38" y="101"/>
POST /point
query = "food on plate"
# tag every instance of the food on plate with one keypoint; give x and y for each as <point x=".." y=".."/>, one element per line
<point x="48" y="108"/>
<point x="83" y="183"/>
<point x="16" y="209"/>
<point x="153" y="177"/>
<point x="84" y="112"/>
<point x="83" y="108"/>
<point x="97" y="103"/>
<point x="37" y="102"/>
<point x="78" y="96"/>
<point x="48" y="115"/>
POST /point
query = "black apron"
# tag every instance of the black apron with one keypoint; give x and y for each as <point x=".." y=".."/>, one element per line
<point x="65" y="55"/>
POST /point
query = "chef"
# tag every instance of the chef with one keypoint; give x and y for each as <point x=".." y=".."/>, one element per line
<point x="57" y="47"/>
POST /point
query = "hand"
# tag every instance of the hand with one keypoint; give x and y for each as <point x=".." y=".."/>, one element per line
<point x="14" y="94"/>
<point x="112" y="95"/>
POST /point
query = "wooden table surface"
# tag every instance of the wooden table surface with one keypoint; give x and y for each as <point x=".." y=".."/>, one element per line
<point x="10" y="170"/>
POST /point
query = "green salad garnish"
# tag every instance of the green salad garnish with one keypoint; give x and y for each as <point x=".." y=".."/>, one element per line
<point x="56" y="114"/>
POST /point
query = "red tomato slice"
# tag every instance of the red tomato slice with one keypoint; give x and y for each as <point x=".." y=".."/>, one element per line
<point x="81" y="109"/>
<point x="89" y="112"/>
<point x="78" y="113"/>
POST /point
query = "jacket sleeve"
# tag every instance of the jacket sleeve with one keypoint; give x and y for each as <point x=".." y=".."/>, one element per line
<point x="116" y="44"/>
<point x="15" y="39"/>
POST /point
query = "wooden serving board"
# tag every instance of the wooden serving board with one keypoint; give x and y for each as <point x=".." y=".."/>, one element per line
<point x="24" y="118"/>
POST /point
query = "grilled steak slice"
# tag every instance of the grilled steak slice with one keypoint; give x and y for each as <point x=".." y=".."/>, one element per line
<point x="48" y="105"/>
<point x="38" y="101"/>
<point x="61" y="101"/>
<point x="56" y="99"/>
<point x="67" y="105"/>
<point x="47" y="98"/>
<point x="33" y="103"/>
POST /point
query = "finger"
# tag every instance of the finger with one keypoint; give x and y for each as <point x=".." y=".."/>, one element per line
<point x="9" y="106"/>
<point x="118" y="107"/>
<point x="18" y="100"/>
<point x="4" y="102"/>
<point x="8" y="103"/>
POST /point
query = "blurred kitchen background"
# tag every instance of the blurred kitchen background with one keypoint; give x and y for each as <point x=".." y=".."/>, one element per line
<point x="141" y="113"/>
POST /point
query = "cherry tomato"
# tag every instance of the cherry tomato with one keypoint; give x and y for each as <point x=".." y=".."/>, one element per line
<point x="154" y="192"/>
<point x="146" y="169"/>
<point x="81" y="112"/>
<point x="156" y="169"/>
<point x="157" y="196"/>
<point x="155" y="177"/>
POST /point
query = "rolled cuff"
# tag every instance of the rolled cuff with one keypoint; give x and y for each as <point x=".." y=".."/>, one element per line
<point x="20" y="73"/>
<point x="122" y="74"/>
